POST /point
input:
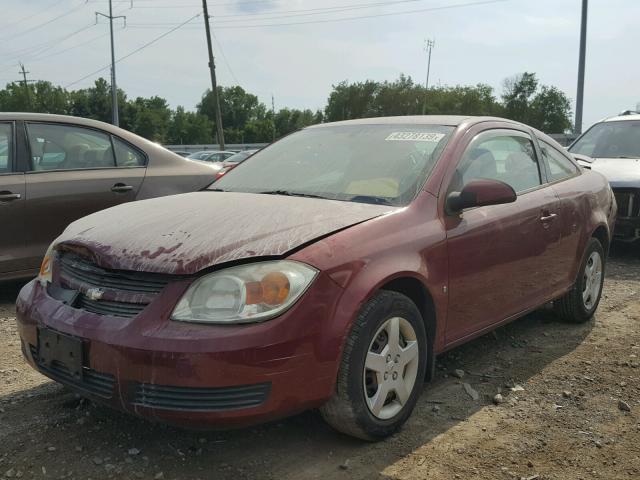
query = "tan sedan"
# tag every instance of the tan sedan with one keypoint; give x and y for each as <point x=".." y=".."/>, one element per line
<point x="55" y="169"/>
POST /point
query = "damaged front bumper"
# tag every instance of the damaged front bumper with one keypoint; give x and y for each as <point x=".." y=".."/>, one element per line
<point x="198" y="376"/>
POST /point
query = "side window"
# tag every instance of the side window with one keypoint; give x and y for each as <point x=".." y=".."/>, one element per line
<point x="64" y="147"/>
<point x="560" y="167"/>
<point x="500" y="155"/>
<point x="127" y="156"/>
<point x="5" y="148"/>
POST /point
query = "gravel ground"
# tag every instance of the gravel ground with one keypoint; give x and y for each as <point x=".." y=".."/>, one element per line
<point x="570" y="410"/>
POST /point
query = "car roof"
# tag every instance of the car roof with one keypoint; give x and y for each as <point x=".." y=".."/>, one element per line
<point x="448" y="120"/>
<point x="622" y="118"/>
<point x="48" y="117"/>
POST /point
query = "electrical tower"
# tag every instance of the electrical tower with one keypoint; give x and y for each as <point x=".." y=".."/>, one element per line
<point x="115" y="119"/>
<point x="428" y="46"/>
<point x="214" y="83"/>
<point x="25" y="83"/>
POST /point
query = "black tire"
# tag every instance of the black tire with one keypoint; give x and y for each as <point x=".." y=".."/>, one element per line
<point x="571" y="307"/>
<point x="347" y="411"/>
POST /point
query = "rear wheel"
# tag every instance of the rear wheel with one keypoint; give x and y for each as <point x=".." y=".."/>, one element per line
<point x="382" y="369"/>
<point x="580" y="303"/>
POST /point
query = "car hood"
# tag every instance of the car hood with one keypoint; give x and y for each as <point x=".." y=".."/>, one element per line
<point x="183" y="234"/>
<point x="621" y="172"/>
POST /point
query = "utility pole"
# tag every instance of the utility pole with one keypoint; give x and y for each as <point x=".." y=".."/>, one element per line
<point x="429" y="44"/>
<point x="577" y="128"/>
<point x="115" y="120"/>
<point x="273" y="117"/>
<point x="25" y="83"/>
<point x="214" y="83"/>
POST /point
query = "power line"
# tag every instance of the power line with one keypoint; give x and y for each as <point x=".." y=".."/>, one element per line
<point x="40" y="25"/>
<point x="224" y="57"/>
<point x="345" y="19"/>
<point x="142" y="47"/>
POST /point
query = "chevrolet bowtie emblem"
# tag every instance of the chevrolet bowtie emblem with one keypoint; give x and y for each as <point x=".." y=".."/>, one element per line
<point x="94" y="293"/>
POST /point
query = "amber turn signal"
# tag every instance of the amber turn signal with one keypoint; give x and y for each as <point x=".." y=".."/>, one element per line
<point x="273" y="289"/>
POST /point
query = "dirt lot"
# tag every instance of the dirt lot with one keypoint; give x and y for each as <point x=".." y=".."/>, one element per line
<point x="561" y="419"/>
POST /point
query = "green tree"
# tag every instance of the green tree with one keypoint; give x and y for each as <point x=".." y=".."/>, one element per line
<point x="551" y="111"/>
<point x="187" y="128"/>
<point x="518" y="92"/>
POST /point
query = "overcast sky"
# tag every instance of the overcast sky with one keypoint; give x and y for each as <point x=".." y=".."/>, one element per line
<point x="476" y="42"/>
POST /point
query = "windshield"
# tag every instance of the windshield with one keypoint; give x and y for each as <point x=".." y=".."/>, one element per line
<point x="619" y="139"/>
<point x="383" y="164"/>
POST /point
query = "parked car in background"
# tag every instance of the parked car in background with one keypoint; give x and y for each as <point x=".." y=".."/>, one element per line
<point x="200" y="155"/>
<point x="181" y="153"/>
<point x="614" y="147"/>
<point x="215" y="157"/>
<point x="235" y="160"/>
<point x="55" y="169"/>
<point x="327" y="270"/>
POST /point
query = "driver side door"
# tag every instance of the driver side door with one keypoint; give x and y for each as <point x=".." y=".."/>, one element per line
<point x="498" y="254"/>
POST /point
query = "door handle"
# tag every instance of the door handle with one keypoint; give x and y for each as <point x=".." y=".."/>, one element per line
<point x="546" y="218"/>
<point x="121" y="188"/>
<point x="9" y="197"/>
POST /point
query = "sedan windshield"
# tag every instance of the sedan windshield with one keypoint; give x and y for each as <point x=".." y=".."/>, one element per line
<point x="618" y="139"/>
<point x="381" y="164"/>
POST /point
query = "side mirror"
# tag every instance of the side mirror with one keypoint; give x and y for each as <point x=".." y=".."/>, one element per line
<point x="583" y="160"/>
<point x="479" y="193"/>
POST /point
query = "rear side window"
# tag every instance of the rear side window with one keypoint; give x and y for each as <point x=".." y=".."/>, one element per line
<point x="127" y="156"/>
<point x="560" y="167"/>
<point x="503" y="155"/>
<point x="5" y="148"/>
<point x="68" y="147"/>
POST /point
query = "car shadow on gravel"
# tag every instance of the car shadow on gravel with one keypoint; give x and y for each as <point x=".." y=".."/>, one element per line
<point x="100" y="442"/>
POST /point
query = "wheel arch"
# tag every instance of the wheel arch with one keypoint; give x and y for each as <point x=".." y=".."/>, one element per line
<point x="419" y="294"/>
<point x="601" y="233"/>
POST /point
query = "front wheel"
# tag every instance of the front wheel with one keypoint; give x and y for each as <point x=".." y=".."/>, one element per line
<point x="580" y="303"/>
<point x="382" y="369"/>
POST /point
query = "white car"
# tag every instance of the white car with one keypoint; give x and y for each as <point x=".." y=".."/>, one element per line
<point x="614" y="147"/>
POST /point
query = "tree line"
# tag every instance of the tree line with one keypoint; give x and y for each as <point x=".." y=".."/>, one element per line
<point x="247" y="120"/>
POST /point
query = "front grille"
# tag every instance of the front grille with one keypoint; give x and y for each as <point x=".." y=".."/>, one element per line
<point x="95" y="383"/>
<point x="104" y="307"/>
<point x="74" y="267"/>
<point x="628" y="200"/>
<point x="134" y="290"/>
<point x="200" y="399"/>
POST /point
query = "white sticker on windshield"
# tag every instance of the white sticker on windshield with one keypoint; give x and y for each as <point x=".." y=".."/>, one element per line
<point x="414" y="137"/>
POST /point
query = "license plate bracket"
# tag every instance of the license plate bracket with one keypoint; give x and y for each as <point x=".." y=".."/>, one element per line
<point x="56" y="347"/>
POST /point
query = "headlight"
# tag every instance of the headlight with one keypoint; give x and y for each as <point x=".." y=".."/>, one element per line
<point x="244" y="294"/>
<point x="44" y="276"/>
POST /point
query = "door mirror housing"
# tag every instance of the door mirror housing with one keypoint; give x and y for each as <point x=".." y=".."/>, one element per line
<point x="480" y="193"/>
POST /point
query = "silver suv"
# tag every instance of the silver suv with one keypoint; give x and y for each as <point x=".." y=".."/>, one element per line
<point x="614" y="147"/>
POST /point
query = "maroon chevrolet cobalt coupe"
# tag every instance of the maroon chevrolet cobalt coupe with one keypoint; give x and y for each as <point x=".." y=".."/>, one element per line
<point x="327" y="271"/>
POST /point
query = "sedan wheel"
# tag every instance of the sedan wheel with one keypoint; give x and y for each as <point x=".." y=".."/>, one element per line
<point x="580" y="303"/>
<point x="382" y="369"/>
<point x="391" y="368"/>
<point x="592" y="281"/>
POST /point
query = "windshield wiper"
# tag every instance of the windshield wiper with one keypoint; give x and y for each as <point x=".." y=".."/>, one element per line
<point x="370" y="199"/>
<point x="292" y="194"/>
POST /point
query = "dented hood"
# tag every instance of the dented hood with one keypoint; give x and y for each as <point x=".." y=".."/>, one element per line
<point x="183" y="234"/>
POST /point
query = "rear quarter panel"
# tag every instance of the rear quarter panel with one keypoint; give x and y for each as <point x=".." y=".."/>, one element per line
<point x="587" y="204"/>
<point x="170" y="174"/>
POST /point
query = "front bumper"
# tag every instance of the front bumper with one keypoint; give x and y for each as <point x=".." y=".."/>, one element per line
<point x="199" y="376"/>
